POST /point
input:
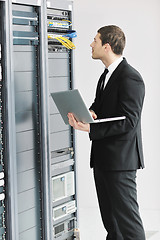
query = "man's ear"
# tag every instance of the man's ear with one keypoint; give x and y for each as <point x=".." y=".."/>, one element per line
<point x="107" y="47"/>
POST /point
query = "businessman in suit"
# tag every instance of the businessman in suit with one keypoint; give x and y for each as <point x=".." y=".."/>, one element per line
<point x="116" y="151"/>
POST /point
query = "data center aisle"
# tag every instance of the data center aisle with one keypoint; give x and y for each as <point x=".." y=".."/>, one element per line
<point x="95" y="231"/>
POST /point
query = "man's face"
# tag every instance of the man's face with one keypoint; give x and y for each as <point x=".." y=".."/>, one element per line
<point x="97" y="48"/>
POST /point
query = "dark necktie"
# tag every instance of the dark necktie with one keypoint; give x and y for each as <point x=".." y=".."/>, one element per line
<point x="103" y="77"/>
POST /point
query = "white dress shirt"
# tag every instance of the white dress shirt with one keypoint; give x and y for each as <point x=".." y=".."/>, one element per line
<point x="111" y="69"/>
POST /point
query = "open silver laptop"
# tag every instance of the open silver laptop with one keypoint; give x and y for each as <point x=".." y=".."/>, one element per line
<point x="72" y="102"/>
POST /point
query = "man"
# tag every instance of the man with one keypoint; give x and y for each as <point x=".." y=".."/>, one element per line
<point x="116" y="152"/>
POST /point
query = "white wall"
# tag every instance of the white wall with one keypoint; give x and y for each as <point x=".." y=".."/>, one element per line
<point x="140" y="20"/>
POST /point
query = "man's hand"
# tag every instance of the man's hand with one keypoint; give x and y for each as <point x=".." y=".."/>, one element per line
<point x="93" y="114"/>
<point x="78" y="125"/>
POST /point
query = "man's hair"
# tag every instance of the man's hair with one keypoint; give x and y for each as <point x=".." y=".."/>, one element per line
<point x="114" y="36"/>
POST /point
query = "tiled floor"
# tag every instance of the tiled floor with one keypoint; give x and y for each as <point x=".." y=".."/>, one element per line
<point x="91" y="227"/>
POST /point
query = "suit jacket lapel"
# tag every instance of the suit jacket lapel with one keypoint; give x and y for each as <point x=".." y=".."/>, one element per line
<point x="113" y="78"/>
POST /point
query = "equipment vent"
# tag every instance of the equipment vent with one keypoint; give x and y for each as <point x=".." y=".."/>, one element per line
<point x="59" y="228"/>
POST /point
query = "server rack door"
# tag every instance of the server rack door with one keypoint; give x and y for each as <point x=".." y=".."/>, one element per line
<point x="27" y="105"/>
<point x="24" y="66"/>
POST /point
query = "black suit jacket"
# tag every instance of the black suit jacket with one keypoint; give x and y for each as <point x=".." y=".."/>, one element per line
<point x="117" y="145"/>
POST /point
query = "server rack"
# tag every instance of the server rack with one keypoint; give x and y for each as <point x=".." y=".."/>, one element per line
<point x="38" y="196"/>
<point x="60" y="73"/>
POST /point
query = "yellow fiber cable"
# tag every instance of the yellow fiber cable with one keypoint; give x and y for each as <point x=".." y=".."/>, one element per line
<point x="69" y="42"/>
<point x="64" y="41"/>
<point x="49" y="37"/>
<point x="67" y="21"/>
<point x="64" y="20"/>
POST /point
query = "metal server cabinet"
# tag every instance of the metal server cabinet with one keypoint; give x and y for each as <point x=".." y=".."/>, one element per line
<point x="36" y="147"/>
<point x="24" y="141"/>
<point x="22" y="76"/>
<point x="63" y="167"/>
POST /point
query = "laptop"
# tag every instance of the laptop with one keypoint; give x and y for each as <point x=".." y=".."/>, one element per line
<point x="71" y="102"/>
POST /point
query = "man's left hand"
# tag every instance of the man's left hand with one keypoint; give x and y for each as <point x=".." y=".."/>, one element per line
<point x="78" y="125"/>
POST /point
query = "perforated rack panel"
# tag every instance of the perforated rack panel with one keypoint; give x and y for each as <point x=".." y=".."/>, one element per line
<point x="2" y="158"/>
<point x="2" y="138"/>
<point x="27" y="92"/>
<point x="37" y="161"/>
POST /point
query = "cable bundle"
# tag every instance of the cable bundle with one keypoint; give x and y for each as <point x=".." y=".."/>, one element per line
<point x="64" y="23"/>
<point x="64" y="39"/>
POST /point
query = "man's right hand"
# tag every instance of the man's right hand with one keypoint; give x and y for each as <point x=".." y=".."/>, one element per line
<point x="93" y="114"/>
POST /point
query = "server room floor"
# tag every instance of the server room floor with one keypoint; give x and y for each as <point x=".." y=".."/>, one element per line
<point x="91" y="227"/>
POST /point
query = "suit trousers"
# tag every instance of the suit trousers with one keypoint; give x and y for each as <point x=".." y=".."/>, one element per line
<point x="117" y="197"/>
